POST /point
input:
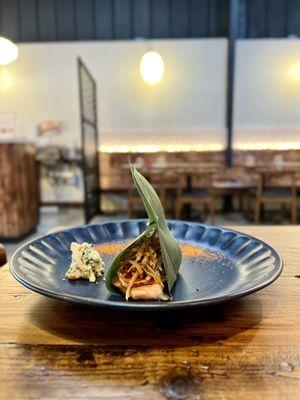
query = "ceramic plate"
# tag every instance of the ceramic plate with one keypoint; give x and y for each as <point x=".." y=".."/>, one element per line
<point x="218" y="264"/>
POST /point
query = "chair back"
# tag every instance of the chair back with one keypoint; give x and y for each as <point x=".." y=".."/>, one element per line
<point x="132" y="191"/>
<point x="273" y="178"/>
<point x="160" y="180"/>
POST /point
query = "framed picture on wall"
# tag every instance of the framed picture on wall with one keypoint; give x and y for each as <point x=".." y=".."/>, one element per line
<point x="49" y="128"/>
<point x="7" y="125"/>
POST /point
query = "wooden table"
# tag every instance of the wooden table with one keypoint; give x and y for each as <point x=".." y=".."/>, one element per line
<point x="245" y="349"/>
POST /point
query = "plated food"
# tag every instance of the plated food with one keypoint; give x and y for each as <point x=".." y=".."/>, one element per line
<point x="140" y="274"/>
<point x="218" y="264"/>
<point x="139" y="260"/>
<point x="147" y="268"/>
<point x="86" y="262"/>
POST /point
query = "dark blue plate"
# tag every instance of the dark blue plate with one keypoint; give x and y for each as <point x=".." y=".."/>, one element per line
<point x="230" y="264"/>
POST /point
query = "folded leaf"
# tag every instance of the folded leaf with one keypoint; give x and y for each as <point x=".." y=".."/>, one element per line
<point x="170" y="250"/>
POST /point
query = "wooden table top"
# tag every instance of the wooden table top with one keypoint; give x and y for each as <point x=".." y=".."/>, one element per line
<point x="244" y="349"/>
<point x="284" y="167"/>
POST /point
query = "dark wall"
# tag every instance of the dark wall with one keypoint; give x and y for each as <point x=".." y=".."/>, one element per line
<point x="272" y="18"/>
<point x="60" y="20"/>
<point x="55" y="20"/>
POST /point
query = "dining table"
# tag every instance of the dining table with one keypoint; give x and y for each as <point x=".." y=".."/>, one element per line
<point x="248" y="348"/>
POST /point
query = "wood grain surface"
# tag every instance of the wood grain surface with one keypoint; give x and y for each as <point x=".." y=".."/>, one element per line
<point x="19" y="192"/>
<point x="244" y="349"/>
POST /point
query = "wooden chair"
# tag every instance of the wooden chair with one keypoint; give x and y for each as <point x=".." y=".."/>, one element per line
<point x="188" y="194"/>
<point x="230" y="183"/>
<point x="267" y="193"/>
<point x="134" y="200"/>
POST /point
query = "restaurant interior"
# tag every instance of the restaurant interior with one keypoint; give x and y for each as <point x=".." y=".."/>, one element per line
<point x="211" y="120"/>
<point x="202" y="97"/>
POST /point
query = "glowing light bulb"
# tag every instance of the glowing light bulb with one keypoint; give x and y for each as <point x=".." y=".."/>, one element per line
<point x="152" y="67"/>
<point x="294" y="72"/>
<point x="8" y="51"/>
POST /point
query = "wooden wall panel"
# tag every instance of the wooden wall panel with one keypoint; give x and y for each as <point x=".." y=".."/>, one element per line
<point x="19" y="194"/>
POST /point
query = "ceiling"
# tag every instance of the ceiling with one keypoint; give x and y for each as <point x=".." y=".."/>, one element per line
<point x="63" y="20"/>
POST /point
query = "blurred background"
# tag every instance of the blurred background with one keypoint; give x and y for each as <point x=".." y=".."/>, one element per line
<point x="203" y="96"/>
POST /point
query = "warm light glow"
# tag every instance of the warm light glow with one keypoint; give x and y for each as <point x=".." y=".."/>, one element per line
<point x="6" y="81"/>
<point x="8" y="51"/>
<point x="152" y="67"/>
<point x="294" y="72"/>
<point x="175" y="148"/>
<point x="268" y="146"/>
<point x="170" y="148"/>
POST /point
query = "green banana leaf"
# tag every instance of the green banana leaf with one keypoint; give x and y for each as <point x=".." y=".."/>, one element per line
<point x="170" y="250"/>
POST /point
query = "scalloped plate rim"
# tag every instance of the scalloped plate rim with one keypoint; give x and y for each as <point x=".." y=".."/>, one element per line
<point x="146" y="306"/>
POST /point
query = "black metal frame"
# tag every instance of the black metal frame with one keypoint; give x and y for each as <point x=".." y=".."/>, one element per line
<point x="91" y="179"/>
<point x="237" y="29"/>
<point x="232" y="35"/>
